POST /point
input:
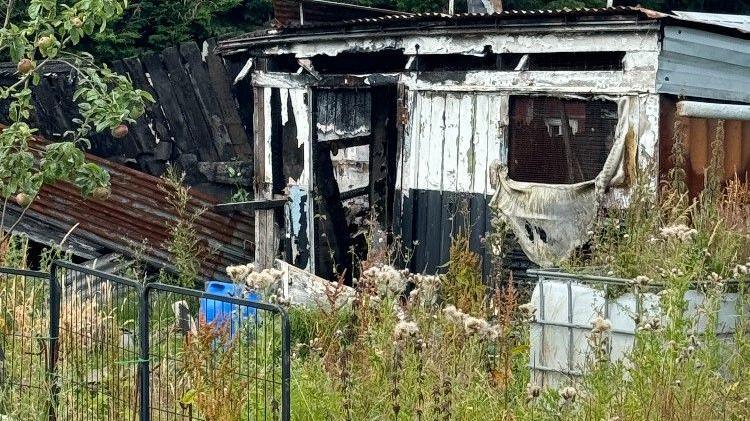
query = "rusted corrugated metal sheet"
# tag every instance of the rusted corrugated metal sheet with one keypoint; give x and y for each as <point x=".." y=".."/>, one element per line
<point x="137" y="213"/>
<point x="698" y="134"/>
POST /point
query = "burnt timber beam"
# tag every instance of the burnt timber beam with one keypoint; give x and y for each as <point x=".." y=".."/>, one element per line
<point x="252" y="205"/>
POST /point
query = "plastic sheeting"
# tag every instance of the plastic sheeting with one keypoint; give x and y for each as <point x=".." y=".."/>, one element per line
<point x="555" y="359"/>
<point x="550" y="221"/>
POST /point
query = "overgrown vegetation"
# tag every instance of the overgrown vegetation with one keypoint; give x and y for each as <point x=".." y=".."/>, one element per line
<point x="153" y="25"/>
<point x="183" y="243"/>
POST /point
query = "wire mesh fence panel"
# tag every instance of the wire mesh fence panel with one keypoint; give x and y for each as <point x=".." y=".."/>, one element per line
<point x="24" y="351"/>
<point x="215" y="357"/>
<point x="95" y="316"/>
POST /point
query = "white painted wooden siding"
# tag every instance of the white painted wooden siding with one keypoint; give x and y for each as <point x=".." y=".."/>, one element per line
<point x="452" y="139"/>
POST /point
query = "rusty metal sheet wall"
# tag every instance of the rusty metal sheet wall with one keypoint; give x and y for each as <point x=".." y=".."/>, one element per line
<point x="700" y="134"/>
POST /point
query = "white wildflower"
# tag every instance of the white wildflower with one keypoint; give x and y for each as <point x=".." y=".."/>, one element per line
<point x="527" y="311"/>
<point x="405" y="330"/>
<point x="533" y="390"/>
<point x="600" y="325"/>
<point x="454" y="314"/>
<point x="474" y="325"/>
<point x="568" y="394"/>
<point x="641" y="280"/>
<point x="239" y="273"/>
<point x="387" y="280"/>
<point x="680" y="231"/>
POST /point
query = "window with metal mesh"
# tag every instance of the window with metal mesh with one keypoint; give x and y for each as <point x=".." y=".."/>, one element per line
<point x="559" y="141"/>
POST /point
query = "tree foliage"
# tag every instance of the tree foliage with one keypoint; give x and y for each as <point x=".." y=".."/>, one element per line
<point x="48" y="31"/>
<point x="152" y="25"/>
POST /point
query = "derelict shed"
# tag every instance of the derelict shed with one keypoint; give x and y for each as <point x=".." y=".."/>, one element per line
<point x="432" y="120"/>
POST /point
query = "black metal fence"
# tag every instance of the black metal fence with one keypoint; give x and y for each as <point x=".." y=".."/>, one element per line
<point x="93" y="346"/>
<point x="24" y="343"/>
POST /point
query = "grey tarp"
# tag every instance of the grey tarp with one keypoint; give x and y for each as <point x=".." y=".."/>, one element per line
<point x="551" y="220"/>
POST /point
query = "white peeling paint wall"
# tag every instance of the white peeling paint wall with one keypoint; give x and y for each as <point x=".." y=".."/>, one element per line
<point x="541" y="40"/>
<point x="452" y="139"/>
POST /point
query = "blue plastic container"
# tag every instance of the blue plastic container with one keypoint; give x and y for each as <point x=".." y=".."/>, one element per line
<point x="218" y="313"/>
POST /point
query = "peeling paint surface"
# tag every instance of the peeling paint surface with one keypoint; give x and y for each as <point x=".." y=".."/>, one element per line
<point x="570" y="82"/>
<point x="452" y="139"/>
<point x="538" y="41"/>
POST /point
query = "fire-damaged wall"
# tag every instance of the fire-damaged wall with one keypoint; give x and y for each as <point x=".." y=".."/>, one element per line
<point x="453" y="138"/>
<point x="454" y="125"/>
<point x="553" y="121"/>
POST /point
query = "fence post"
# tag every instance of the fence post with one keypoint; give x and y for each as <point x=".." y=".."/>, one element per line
<point x="143" y="364"/>
<point x="55" y="292"/>
<point x="285" y="367"/>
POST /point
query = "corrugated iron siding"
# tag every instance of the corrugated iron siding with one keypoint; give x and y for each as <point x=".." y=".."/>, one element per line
<point x="695" y="63"/>
<point x="700" y="134"/>
<point x="137" y="212"/>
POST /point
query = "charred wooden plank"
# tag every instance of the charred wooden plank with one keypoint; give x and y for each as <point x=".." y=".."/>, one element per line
<point x="407" y="227"/>
<point x="253" y="205"/>
<point x="432" y="237"/>
<point x="242" y="92"/>
<point x="420" y="222"/>
<point x="166" y="98"/>
<point x="206" y="98"/>
<point x="222" y="85"/>
<point x="448" y="214"/>
<point x="156" y="122"/>
<point x="351" y="194"/>
<point x="477" y="217"/>
<point x="139" y="137"/>
<point x="187" y="100"/>
<point x="332" y="209"/>
<point x="227" y="172"/>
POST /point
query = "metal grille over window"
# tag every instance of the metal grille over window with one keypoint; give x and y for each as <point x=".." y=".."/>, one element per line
<point x="559" y="141"/>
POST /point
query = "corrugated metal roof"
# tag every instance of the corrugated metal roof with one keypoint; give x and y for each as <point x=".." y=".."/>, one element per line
<point x="735" y="25"/>
<point x="741" y="22"/>
<point x="416" y="21"/>
<point x="137" y="212"/>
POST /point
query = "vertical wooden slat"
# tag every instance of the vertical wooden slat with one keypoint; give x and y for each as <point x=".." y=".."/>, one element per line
<point x="498" y="112"/>
<point x="168" y="102"/>
<point x="420" y="218"/>
<point x="222" y="86"/>
<point x="411" y="164"/>
<point x="263" y="218"/>
<point x="206" y="101"/>
<point x="464" y="170"/>
<point x="450" y="145"/>
<point x="435" y="143"/>
<point x="477" y="222"/>
<point x="425" y="131"/>
<point x="188" y="102"/>
<point x="139" y="138"/>
<point x="479" y="151"/>
<point x="434" y="230"/>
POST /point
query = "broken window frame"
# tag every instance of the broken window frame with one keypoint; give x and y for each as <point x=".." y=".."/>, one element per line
<point x="577" y="161"/>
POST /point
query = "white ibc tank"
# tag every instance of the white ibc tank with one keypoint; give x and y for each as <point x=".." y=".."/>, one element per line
<point x="565" y="307"/>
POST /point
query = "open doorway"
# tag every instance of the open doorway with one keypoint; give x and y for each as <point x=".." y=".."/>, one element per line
<point x="353" y="151"/>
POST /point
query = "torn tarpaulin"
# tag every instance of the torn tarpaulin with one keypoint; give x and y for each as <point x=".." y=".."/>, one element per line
<point x="551" y="220"/>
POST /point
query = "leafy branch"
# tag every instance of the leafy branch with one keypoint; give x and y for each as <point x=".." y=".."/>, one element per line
<point x="106" y="100"/>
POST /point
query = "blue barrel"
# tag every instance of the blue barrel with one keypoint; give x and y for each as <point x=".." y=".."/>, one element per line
<point x="218" y="313"/>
